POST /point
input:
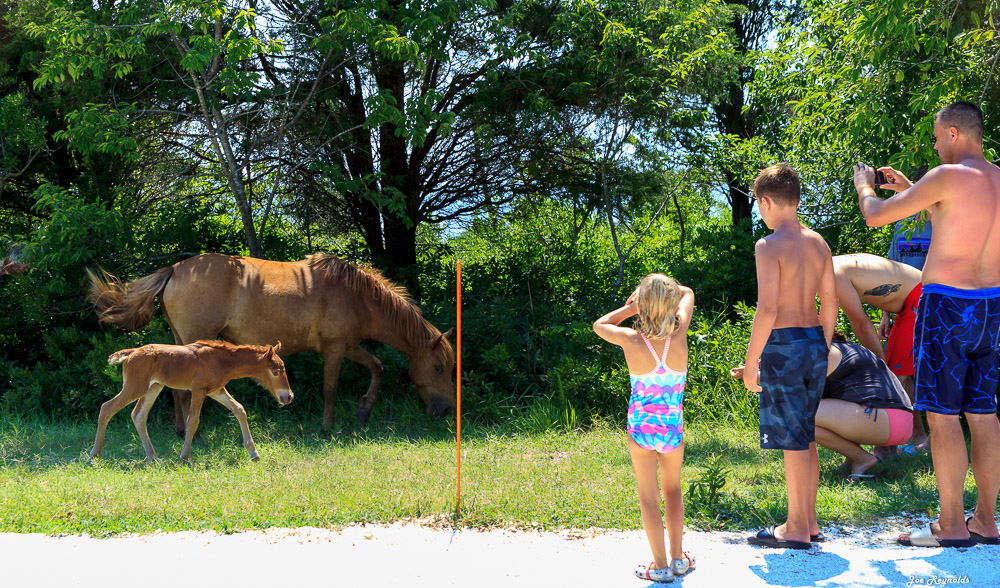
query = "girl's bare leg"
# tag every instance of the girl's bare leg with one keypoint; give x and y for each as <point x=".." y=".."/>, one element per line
<point x="670" y="480"/>
<point x="644" y="462"/>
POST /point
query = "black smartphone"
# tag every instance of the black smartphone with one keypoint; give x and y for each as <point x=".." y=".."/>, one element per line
<point x="880" y="178"/>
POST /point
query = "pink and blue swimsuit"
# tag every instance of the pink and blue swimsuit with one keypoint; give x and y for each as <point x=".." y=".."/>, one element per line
<point x="656" y="408"/>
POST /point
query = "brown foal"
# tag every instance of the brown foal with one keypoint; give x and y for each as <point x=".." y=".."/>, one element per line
<point x="204" y="368"/>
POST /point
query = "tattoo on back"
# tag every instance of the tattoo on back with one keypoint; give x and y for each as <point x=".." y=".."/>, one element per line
<point x="883" y="290"/>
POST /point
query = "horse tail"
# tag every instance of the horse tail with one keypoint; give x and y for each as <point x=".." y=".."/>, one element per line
<point x="119" y="356"/>
<point x="129" y="306"/>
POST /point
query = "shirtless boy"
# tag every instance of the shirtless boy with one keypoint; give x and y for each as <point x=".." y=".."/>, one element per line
<point x="788" y="347"/>
<point x="892" y="287"/>
<point x="958" y="321"/>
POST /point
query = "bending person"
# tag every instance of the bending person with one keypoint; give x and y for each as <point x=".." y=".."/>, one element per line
<point x="892" y="287"/>
<point x="862" y="404"/>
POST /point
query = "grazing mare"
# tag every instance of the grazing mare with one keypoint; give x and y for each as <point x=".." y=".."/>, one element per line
<point x="204" y="368"/>
<point x="321" y="303"/>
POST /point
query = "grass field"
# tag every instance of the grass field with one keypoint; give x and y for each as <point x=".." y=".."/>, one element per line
<point x="376" y="474"/>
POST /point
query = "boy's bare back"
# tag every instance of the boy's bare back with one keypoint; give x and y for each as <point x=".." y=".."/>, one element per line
<point x="795" y="259"/>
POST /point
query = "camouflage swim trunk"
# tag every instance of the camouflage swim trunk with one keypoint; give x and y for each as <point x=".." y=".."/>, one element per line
<point x="792" y="374"/>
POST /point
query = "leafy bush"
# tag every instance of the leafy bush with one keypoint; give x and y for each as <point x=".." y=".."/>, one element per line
<point x="532" y="287"/>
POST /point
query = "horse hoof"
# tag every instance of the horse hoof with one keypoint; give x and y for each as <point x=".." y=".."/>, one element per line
<point x="362" y="416"/>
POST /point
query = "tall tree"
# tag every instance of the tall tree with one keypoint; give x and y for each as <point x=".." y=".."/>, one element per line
<point x="727" y="136"/>
<point x="466" y="105"/>
<point x="200" y="79"/>
<point x="383" y="114"/>
<point x="856" y="80"/>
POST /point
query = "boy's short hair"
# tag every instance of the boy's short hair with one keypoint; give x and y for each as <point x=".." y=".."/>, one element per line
<point x="964" y="116"/>
<point x="780" y="183"/>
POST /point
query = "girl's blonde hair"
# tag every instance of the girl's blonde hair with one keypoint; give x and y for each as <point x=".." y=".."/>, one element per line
<point x="658" y="299"/>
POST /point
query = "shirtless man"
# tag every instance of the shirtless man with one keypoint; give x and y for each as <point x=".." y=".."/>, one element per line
<point x="960" y="306"/>
<point x="892" y="287"/>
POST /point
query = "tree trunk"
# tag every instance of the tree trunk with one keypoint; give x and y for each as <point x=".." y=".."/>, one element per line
<point x="400" y="256"/>
<point x="739" y="198"/>
<point x="733" y="120"/>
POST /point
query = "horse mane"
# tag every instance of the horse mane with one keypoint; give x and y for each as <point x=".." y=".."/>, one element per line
<point x="368" y="282"/>
<point x="226" y="345"/>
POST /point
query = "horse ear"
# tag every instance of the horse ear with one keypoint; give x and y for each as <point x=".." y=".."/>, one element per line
<point x="442" y="337"/>
<point x="277" y="347"/>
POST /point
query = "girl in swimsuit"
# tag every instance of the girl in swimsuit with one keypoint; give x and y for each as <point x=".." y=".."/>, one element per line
<point x="656" y="352"/>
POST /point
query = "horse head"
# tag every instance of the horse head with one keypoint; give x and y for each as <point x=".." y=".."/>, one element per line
<point x="431" y="370"/>
<point x="274" y="377"/>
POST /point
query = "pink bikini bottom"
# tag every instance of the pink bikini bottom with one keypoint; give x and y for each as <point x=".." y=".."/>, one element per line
<point x="900" y="426"/>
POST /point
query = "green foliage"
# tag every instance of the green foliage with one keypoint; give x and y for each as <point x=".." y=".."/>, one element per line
<point x="704" y="493"/>
<point x="719" y="266"/>
<point x="77" y="232"/>
<point x="97" y="128"/>
<point x="71" y="378"/>
<point x="22" y="135"/>
<point x="716" y="345"/>
<point x="532" y="287"/>
<point x="861" y="81"/>
<point x="553" y="413"/>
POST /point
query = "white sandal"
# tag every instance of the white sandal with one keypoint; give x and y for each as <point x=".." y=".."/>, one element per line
<point x="662" y="575"/>
<point x="679" y="567"/>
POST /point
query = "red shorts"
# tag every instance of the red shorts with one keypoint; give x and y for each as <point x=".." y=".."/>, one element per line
<point x="899" y="349"/>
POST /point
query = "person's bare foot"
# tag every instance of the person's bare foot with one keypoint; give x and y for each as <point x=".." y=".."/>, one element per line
<point x="933" y="535"/>
<point x="861" y="467"/>
<point x="781" y="534"/>
<point x="918" y="444"/>
<point x="843" y="468"/>
<point x="982" y="532"/>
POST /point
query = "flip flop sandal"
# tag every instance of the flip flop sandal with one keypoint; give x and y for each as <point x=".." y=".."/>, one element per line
<point x="662" y="575"/>
<point x="981" y="538"/>
<point x="925" y="538"/>
<point x="679" y="567"/>
<point x="817" y="538"/>
<point x="911" y="450"/>
<point x="852" y="478"/>
<point x="766" y="538"/>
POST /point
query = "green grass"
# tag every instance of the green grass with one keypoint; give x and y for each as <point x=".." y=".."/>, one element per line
<point x="376" y="474"/>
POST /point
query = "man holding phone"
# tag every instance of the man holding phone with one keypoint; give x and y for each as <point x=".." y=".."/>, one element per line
<point x="957" y="331"/>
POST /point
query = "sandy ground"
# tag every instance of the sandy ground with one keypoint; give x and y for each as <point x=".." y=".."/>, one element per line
<point x="411" y="555"/>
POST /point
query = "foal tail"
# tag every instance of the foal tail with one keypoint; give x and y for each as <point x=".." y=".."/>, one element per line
<point x="129" y="306"/>
<point x="119" y="356"/>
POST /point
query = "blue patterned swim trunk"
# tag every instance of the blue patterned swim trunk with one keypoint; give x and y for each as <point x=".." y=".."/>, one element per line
<point x="792" y="374"/>
<point x="957" y="338"/>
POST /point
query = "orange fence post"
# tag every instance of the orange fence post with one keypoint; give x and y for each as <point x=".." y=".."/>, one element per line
<point x="458" y="393"/>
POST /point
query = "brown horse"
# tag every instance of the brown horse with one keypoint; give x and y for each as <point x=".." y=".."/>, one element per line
<point x="9" y="267"/>
<point x="204" y="368"/>
<point x="321" y="303"/>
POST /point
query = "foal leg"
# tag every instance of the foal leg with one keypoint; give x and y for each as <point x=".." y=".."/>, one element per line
<point x="182" y="404"/>
<point x="197" y="399"/>
<point x="224" y="398"/>
<point x="139" y="415"/>
<point x="128" y="394"/>
<point x="332" y="359"/>
<point x="362" y="357"/>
